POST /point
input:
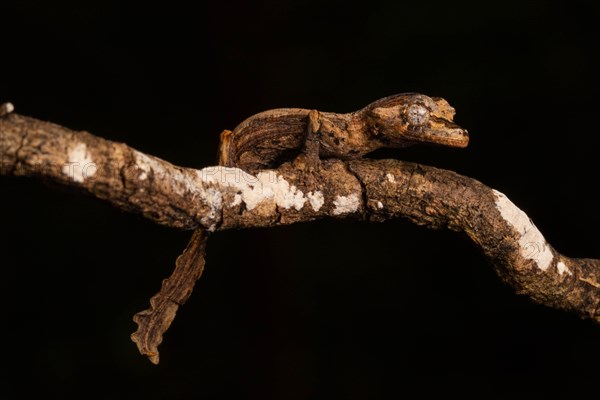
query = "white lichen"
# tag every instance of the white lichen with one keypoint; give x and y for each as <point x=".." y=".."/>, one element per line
<point x="284" y="194"/>
<point x="391" y="178"/>
<point x="562" y="268"/>
<point x="214" y="198"/>
<point x="237" y="200"/>
<point x="184" y="183"/>
<point x="252" y="190"/>
<point x="79" y="165"/>
<point x="346" y="204"/>
<point x="146" y="165"/>
<point x="180" y="181"/>
<point x="316" y="200"/>
<point x="532" y="243"/>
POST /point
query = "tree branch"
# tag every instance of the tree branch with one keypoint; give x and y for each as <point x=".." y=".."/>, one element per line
<point x="218" y="198"/>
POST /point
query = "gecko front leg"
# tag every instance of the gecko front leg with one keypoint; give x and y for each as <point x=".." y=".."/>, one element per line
<point x="312" y="141"/>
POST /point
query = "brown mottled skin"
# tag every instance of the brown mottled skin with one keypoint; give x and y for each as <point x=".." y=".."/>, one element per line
<point x="268" y="138"/>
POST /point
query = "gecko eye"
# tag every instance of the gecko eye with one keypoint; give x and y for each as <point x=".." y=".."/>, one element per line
<point x="417" y="114"/>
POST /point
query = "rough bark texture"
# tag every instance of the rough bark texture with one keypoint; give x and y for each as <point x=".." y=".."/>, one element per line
<point x="218" y="198"/>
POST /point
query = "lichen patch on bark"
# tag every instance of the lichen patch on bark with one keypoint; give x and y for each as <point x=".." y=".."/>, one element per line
<point x="346" y="204"/>
<point x="533" y="245"/>
<point x="80" y="165"/>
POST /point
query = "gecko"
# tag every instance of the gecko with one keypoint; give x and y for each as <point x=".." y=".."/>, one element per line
<point x="270" y="138"/>
<point x="267" y="139"/>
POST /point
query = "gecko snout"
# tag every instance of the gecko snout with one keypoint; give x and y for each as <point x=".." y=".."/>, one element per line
<point x="452" y="136"/>
<point x="441" y="129"/>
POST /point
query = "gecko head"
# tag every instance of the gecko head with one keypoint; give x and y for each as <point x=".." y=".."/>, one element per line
<point x="413" y="118"/>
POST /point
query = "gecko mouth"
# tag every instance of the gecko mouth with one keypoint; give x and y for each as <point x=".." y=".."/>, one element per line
<point x="452" y="137"/>
<point x="442" y="133"/>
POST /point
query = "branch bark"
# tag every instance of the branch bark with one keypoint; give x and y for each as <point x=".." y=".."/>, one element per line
<point x="218" y="198"/>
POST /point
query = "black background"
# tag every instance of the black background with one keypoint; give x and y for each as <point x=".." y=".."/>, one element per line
<point x="330" y="309"/>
